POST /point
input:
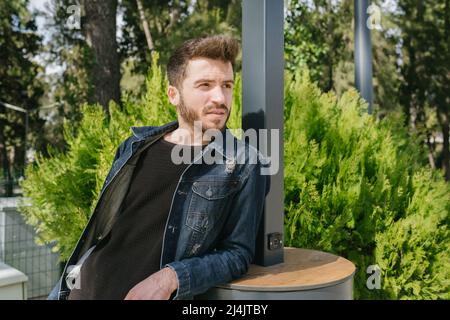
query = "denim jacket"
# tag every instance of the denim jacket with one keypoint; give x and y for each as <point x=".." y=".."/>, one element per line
<point x="210" y="232"/>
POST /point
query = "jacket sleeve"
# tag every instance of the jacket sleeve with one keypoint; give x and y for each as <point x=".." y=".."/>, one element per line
<point x="236" y="246"/>
<point x="54" y="294"/>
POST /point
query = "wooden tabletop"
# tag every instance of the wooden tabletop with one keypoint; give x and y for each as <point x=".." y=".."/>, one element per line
<point x="302" y="269"/>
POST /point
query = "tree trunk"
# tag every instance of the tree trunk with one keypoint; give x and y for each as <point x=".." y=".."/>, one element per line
<point x="174" y="16"/>
<point x="100" y="30"/>
<point x="148" y="35"/>
<point x="443" y="111"/>
<point x="8" y="190"/>
<point x="430" y="151"/>
<point x="444" y="122"/>
<point x="330" y="29"/>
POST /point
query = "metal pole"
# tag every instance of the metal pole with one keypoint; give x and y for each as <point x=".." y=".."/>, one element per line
<point x="262" y="108"/>
<point x="25" y="144"/>
<point x="363" y="52"/>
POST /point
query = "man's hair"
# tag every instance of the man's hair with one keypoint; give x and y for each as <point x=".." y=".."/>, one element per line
<point x="218" y="47"/>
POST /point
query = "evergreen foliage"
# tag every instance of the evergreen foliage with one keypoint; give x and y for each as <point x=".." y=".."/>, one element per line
<point x="358" y="188"/>
<point x="353" y="186"/>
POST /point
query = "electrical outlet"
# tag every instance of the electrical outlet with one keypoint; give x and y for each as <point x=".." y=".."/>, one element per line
<point x="275" y="241"/>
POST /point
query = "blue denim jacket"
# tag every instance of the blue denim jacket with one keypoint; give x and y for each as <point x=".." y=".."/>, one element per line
<point x="209" y="238"/>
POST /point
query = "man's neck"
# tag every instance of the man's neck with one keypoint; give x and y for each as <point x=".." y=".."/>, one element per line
<point x="186" y="135"/>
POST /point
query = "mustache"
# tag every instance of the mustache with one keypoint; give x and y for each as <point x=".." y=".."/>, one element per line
<point x="221" y="107"/>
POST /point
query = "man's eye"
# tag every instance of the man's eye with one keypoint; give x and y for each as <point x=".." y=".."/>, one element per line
<point x="228" y="86"/>
<point x="204" y="85"/>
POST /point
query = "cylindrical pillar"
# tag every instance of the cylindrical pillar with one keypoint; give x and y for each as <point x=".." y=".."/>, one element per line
<point x="304" y="275"/>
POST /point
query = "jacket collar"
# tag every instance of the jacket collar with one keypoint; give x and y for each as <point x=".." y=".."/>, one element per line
<point x="145" y="132"/>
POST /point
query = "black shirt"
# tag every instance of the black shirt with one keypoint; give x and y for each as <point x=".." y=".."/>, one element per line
<point x="132" y="250"/>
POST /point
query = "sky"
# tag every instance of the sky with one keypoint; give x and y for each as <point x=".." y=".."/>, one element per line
<point x="41" y="5"/>
<point x="386" y="6"/>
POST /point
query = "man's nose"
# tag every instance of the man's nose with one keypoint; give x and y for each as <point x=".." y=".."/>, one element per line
<point x="218" y="95"/>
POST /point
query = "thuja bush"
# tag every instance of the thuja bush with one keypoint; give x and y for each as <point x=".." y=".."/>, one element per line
<point x="61" y="190"/>
<point x="360" y="189"/>
<point x="353" y="186"/>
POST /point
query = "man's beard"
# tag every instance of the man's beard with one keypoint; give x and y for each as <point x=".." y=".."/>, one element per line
<point x="189" y="116"/>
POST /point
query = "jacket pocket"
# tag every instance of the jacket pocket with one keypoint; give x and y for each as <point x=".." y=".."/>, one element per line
<point x="208" y="204"/>
<point x="209" y="198"/>
<point x="214" y="190"/>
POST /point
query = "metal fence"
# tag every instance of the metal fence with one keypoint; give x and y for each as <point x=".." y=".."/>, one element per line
<point x="19" y="250"/>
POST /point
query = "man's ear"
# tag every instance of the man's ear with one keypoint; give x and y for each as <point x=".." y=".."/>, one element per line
<point x="173" y="94"/>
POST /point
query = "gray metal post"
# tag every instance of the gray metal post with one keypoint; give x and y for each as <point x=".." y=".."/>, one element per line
<point x="262" y="108"/>
<point x="25" y="144"/>
<point x="363" y="52"/>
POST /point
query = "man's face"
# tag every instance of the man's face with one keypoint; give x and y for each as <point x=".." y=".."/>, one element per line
<point x="206" y="93"/>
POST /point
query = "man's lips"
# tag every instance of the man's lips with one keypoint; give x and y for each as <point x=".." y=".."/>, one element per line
<point x="219" y="112"/>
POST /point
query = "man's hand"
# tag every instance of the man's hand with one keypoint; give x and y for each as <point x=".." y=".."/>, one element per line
<point x="159" y="286"/>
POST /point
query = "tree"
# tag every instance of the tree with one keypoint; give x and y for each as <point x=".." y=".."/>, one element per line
<point x="318" y="36"/>
<point x="20" y="82"/>
<point x="172" y="22"/>
<point x="100" y="32"/>
<point x="426" y="71"/>
<point x="71" y="82"/>
<point x="88" y="54"/>
<point x="148" y="35"/>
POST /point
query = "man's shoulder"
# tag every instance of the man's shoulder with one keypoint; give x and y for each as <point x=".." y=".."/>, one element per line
<point x="247" y="153"/>
<point x="143" y="132"/>
<point x="138" y="133"/>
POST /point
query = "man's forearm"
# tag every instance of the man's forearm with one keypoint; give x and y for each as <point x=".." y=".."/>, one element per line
<point x="171" y="278"/>
<point x="159" y="285"/>
<point x="198" y="274"/>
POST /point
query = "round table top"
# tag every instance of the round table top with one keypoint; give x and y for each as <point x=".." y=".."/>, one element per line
<point x="302" y="269"/>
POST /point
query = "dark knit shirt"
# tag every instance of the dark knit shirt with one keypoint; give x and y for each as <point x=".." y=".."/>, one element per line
<point x="132" y="250"/>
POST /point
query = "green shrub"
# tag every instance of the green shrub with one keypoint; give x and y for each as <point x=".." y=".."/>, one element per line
<point x="359" y="189"/>
<point x="353" y="187"/>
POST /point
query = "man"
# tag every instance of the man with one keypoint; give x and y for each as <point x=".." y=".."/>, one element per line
<point x="169" y="229"/>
